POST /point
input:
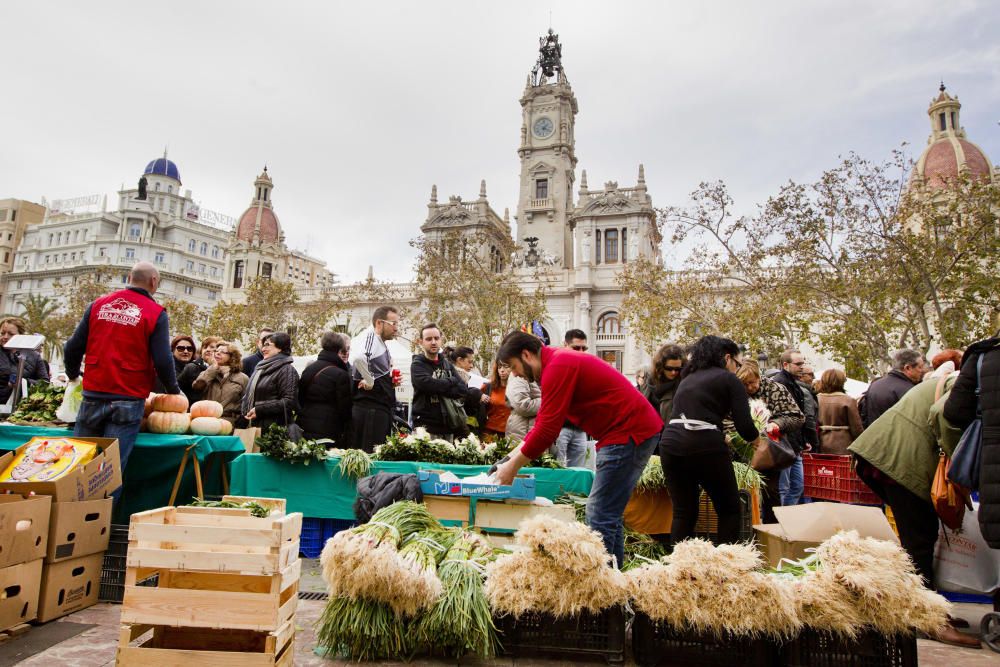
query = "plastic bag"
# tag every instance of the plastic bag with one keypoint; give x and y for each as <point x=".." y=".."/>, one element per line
<point x="45" y="459"/>
<point x="70" y="406"/>
<point x="964" y="563"/>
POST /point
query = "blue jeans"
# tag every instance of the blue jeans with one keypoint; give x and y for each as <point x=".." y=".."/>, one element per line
<point x="792" y="483"/>
<point x="618" y="469"/>
<point x="108" y="418"/>
<point x="571" y="447"/>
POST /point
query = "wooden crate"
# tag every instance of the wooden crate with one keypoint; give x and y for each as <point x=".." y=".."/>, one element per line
<point x="200" y="647"/>
<point x="216" y="568"/>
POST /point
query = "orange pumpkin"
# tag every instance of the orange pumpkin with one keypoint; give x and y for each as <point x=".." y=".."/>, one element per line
<point x="170" y="403"/>
<point x="168" y="422"/>
<point x="206" y="409"/>
<point x="209" y="426"/>
<point x="149" y="405"/>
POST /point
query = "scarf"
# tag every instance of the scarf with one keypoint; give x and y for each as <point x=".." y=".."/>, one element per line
<point x="265" y="367"/>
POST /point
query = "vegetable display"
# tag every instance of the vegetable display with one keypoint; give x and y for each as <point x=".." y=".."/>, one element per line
<point x="40" y="405"/>
<point x="256" y="509"/>
<point x="422" y="446"/>
<point x="274" y="443"/>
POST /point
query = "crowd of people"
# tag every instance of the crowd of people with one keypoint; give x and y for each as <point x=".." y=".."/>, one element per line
<point x="688" y="406"/>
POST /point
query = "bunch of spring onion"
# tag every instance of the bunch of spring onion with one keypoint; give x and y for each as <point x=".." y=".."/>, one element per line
<point x="362" y="630"/>
<point x="460" y="622"/>
<point x="353" y="463"/>
<point x="364" y="562"/>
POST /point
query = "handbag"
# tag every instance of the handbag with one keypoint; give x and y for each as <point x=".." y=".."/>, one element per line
<point x="455" y="418"/>
<point x="769" y="454"/>
<point x="948" y="498"/>
<point x="967" y="460"/>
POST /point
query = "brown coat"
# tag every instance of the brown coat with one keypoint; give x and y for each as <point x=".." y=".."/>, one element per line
<point x="839" y="423"/>
<point x="227" y="390"/>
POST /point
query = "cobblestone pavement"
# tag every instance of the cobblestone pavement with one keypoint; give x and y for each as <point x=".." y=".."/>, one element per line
<point x="96" y="646"/>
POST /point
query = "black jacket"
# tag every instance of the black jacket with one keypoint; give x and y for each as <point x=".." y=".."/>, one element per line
<point x="325" y="397"/>
<point x="430" y="382"/>
<point x="797" y="438"/>
<point x="35" y="369"/>
<point x="188" y="375"/>
<point x="882" y="394"/>
<point x="276" y="395"/>
<point x="383" y="489"/>
<point x="250" y="362"/>
<point x="960" y="410"/>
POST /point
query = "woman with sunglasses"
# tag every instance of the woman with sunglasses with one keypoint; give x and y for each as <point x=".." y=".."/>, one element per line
<point x="693" y="449"/>
<point x="272" y="396"/>
<point x="662" y="383"/>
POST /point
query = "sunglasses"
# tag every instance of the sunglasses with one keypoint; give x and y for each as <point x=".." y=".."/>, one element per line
<point x="184" y="348"/>
<point x="671" y="369"/>
<point x="579" y="348"/>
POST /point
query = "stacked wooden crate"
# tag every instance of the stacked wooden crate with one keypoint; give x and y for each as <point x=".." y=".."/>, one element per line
<point x="227" y="587"/>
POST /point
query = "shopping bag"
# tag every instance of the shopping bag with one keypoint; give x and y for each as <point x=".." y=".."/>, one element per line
<point x="948" y="498"/>
<point x="249" y="437"/>
<point x="964" y="563"/>
<point x="966" y="461"/>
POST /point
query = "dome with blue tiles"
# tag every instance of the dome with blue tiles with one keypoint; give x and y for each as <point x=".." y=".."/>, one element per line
<point x="161" y="166"/>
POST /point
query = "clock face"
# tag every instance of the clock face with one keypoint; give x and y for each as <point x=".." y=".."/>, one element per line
<point x="543" y="127"/>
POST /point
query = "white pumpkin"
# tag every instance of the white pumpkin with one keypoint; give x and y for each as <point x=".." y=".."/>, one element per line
<point x="210" y="426"/>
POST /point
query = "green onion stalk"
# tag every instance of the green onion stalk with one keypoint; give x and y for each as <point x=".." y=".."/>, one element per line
<point x="652" y="476"/>
<point x="460" y="622"/>
<point x="362" y="630"/>
<point x="354" y="464"/>
<point x="747" y="479"/>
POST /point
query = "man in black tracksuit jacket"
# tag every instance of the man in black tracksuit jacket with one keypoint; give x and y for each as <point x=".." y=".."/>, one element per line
<point x="433" y="378"/>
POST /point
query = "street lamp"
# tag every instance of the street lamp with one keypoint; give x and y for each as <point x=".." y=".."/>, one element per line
<point x="762" y="360"/>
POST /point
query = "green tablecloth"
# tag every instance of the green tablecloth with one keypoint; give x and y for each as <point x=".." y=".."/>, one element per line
<point x="152" y="467"/>
<point x="318" y="490"/>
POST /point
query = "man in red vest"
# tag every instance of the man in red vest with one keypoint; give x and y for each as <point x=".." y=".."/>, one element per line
<point x="126" y="338"/>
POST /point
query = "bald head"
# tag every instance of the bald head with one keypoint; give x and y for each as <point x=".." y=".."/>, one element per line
<point x="146" y="276"/>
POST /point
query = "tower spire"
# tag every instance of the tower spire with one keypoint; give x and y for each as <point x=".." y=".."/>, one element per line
<point x="434" y="194"/>
<point x="642" y="174"/>
<point x="482" y="189"/>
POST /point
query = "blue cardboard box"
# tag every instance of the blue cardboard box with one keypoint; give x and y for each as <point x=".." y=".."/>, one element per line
<point x="523" y="487"/>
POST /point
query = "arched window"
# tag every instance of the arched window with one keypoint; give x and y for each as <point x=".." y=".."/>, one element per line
<point x="608" y="323"/>
<point x="204" y="248"/>
<point x="238" y="274"/>
<point x="191" y="245"/>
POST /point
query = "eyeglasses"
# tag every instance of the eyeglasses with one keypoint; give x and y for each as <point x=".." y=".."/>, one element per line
<point x="394" y="323"/>
<point x="184" y="348"/>
<point x="222" y="352"/>
<point x="579" y="348"/>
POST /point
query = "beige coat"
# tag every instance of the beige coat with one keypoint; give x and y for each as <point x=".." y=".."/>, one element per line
<point x="839" y="423"/>
<point x="524" y="399"/>
<point x="226" y="389"/>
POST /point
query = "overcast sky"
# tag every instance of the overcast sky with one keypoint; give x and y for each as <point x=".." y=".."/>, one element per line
<point x="358" y="108"/>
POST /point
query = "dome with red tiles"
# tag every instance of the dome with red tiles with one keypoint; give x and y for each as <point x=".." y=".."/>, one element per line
<point x="258" y="218"/>
<point x="259" y="223"/>
<point x="949" y="153"/>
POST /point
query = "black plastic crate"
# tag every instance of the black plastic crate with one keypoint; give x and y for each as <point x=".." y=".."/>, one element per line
<point x="588" y="634"/>
<point x="112" y="587"/>
<point x="657" y="643"/>
<point x="869" y="649"/>
<point x="708" y="521"/>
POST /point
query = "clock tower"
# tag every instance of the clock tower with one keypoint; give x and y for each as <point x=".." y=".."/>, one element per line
<point x="548" y="161"/>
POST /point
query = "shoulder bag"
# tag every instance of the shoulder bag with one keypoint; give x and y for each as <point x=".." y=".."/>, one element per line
<point x="948" y="498"/>
<point x="967" y="459"/>
<point x="771" y="454"/>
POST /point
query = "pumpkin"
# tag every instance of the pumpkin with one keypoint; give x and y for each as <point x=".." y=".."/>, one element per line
<point x="206" y="409"/>
<point x="168" y="422"/>
<point x="170" y="403"/>
<point x="209" y="426"/>
<point x="149" y="405"/>
<point x="227" y="427"/>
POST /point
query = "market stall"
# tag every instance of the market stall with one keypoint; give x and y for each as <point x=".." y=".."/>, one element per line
<point x="153" y="466"/>
<point x="319" y="490"/>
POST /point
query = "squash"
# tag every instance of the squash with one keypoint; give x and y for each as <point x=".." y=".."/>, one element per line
<point x="149" y="404"/>
<point x="227" y="427"/>
<point x="209" y="426"/>
<point x="168" y="422"/>
<point x="206" y="409"/>
<point x="170" y="403"/>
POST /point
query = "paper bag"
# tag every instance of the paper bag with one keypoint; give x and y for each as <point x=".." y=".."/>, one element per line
<point x="963" y="562"/>
<point x="249" y="437"/>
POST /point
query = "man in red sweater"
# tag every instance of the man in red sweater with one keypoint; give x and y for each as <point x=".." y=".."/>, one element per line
<point x="602" y="402"/>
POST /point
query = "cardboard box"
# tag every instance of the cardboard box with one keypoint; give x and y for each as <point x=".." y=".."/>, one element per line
<point x="523" y="487"/>
<point x="69" y="586"/>
<point x="802" y="527"/>
<point x="20" y="586"/>
<point x="24" y="528"/>
<point x="78" y="529"/>
<point x="97" y="479"/>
